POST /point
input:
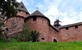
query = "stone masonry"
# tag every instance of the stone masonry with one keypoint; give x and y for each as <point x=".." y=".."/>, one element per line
<point x="47" y="32"/>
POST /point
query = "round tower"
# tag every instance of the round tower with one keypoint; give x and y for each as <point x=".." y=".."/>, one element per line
<point x="37" y="21"/>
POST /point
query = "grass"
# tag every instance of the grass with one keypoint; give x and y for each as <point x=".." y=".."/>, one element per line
<point x="40" y="45"/>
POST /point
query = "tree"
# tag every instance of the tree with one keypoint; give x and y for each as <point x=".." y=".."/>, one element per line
<point x="27" y="34"/>
<point x="24" y="34"/>
<point x="8" y="8"/>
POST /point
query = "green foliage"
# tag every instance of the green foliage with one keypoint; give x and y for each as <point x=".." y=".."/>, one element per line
<point x="8" y="7"/>
<point x="23" y="35"/>
<point x="34" y="36"/>
<point x="27" y="34"/>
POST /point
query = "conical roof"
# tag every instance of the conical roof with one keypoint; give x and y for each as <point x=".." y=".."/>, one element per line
<point x="37" y="13"/>
<point x="22" y="7"/>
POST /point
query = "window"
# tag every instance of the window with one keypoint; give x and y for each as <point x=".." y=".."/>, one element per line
<point x="34" y="18"/>
<point x="7" y="29"/>
<point x="26" y="13"/>
<point x="43" y="38"/>
<point x="67" y="28"/>
<point x="54" y="40"/>
<point x="19" y="10"/>
<point x="22" y="6"/>
<point x="76" y="26"/>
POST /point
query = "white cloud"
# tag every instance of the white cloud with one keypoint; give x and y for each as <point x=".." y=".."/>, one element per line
<point x="67" y="20"/>
<point x="19" y="0"/>
<point x="52" y="13"/>
<point x="71" y="17"/>
<point x="68" y="11"/>
<point x="80" y="19"/>
<point x="68" y="16"/>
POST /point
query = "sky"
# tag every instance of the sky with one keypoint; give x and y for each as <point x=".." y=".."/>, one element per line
<point x="67" y="11"/>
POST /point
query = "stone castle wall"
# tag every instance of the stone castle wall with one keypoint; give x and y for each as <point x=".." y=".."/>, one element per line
<point x="14" y="24"/>
<point x="72" y="34"/>
<point x="46" y="32"/>
<point x="42" y="26"/>
<point x="49" y="34"/>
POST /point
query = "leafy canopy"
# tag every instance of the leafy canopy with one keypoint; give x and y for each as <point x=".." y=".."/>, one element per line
<point x="8" y="7"/>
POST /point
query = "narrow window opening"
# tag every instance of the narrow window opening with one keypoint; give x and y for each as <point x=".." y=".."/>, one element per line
<point x="26" y="13"/>
<point x="34" y="18"/>
<point x="22" y="6"/>
<point x="43" y="38"/>
<point x="76" y="26"/>
<point x="67" y="28"/>
<point x="19" y="10"/>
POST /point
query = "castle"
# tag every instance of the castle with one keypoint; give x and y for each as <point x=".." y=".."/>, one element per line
<point x="39" y="22"/>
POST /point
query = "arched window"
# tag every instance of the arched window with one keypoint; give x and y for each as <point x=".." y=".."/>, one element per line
<point x="43" y="38"/>
<point x="54" y="40"/>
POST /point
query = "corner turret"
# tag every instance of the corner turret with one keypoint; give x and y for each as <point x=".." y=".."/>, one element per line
<point x="22" y="11"/>
<point x="56" y="23"/>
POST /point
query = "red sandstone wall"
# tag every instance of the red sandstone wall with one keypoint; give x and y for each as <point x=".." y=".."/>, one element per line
<point x="22" y="13"/>
<point x="40" y="25"/>
<point x="53" y="34"/>
<point x="47" y="32"/>
<point x="73" y="34"/>
<point x="14" y="24"/>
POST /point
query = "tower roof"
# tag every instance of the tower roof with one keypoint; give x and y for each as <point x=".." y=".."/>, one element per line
<point x="22" y="7"/>
<point x="56" y="23"/>
<point x="37" y="13"/>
